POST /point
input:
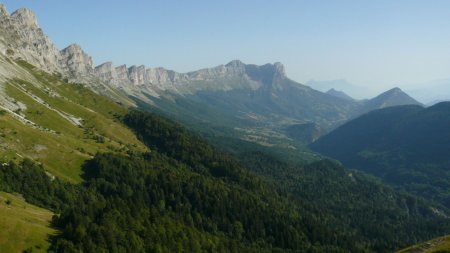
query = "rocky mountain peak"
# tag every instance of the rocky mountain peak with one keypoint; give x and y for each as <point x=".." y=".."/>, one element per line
<point x="339" y="94"/>
<point x="23" y="37"/>
<point x="238" y="66"/>
<point x="122" y="72"/>
<point x="25" y="17"/>
<point x="3" y="10"/>
<point x="106" y="65"/>
<point x="137" y="74"/>
<point x="279" y="67"/>
<point x="392" y="97"/>
<point x="395" y="90"/>
<point x="76" y="60"/>
<point x="73" y="49"/>
<point x="235" y="64"/>
<point x="106" y="72"/>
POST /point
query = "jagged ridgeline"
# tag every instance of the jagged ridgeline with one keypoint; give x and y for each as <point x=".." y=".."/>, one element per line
<point x="128" y="181"/>
<point x="245" y="101"/>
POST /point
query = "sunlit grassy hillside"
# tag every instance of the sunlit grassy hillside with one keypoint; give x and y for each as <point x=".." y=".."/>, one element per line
<point x="438" y="245"/>
<point x="59" y="124"/>
<point x="23" y="226"/>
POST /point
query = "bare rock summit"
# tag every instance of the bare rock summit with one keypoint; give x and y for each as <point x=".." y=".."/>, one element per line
<point x="75" y="60"/>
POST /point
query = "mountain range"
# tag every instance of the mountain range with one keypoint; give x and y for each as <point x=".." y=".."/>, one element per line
<point x="102" y="171"/>
<point x="338" y="93"/>
<point x="355" y="91"/>
<point x="431" y="92"/>
<point x="254" y="102"/>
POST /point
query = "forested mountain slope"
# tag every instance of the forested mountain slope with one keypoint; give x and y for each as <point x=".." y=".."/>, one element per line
<point x="186" y="195"/>
<point x="406" y="146"/>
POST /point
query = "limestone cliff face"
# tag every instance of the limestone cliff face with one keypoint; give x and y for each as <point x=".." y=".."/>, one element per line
<point x="25" y="18"/>
<point x="158" y="79"/>
<point x="279" y="69"/>
<point x="21" y="36"/>
<point x="76" y="61"/>
<point x="137" y="74"/>
<point x="106" y="72"/>
<point x="122" y="72"/>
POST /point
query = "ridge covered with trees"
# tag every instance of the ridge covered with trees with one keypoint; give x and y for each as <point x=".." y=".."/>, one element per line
<point x="187" y="196"/>
<point x="406" y="146"/>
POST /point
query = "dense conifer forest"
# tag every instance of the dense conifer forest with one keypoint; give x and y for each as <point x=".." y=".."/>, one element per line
<point x="188" y="196"/>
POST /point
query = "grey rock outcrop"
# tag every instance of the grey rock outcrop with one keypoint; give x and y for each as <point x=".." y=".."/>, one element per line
<point x="106" y="72"/>
<point x="234" y="66"/>
<point x="21" y="36"/>
<point x="137" y="74"/>
<point x="235" y="74"/>
<point x="161" y="77"/>
<point x="122" y="72"/>
<point x="3" y="11"/>
<point x="25" y="17"/>
<point x="279" y="69"/>
<point x="76" y="61"/>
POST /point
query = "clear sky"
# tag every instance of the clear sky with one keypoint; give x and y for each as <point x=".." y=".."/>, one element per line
<point x="373" y="43"/>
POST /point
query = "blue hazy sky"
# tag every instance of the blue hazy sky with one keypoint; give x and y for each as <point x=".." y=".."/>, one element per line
<point x="373" y="43"/>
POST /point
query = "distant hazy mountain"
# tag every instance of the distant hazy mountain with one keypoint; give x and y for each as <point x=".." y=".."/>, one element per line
<point x="260" y="101"/>
<point x="259" y="104"/>
<point x="404" y="145"/>
<point x="339" y="94"/>
<point x="392" y="97"/>
<point x="264" y="94"/>
<point x="431" y="92"/>
<point x="353" y="90"/>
